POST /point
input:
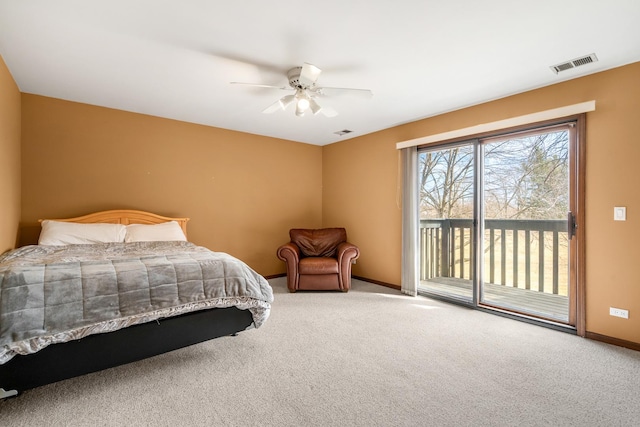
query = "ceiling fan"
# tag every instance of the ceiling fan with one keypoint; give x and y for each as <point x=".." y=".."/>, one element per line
<point x="303" y="80"/>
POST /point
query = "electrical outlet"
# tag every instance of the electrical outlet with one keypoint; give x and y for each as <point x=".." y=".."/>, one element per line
<point x="619" y="312"/>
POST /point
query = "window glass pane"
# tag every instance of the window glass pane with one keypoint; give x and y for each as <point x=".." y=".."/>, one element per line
<point x="526" y="245"/>
<point x="446" y="185"/>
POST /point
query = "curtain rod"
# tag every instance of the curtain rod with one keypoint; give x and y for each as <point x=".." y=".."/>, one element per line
<point x="555" y="113"/>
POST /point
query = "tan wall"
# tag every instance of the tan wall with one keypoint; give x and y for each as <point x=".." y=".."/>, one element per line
<point x="242" y="192"/>
<point x="9" y="159"/>
<point x="360" y="177"/>
<point x="361" y="193"/>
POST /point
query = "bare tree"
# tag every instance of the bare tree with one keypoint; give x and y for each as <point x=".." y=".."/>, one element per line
<point x="524" y="178"/>
<point x="446" y="183"/>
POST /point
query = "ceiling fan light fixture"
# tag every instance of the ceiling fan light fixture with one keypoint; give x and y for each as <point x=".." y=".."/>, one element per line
<point x="303" y="104"/>
<point x="315" y="108"/>
<point x="286" y="101"/>
<point x="303" y="80"/>
<point x="299" y="112"/>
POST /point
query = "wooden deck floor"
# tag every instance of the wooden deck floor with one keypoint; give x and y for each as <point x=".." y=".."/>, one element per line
<point x="554" y="307"/>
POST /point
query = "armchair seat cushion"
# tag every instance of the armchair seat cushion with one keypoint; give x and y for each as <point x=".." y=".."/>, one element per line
<point x="318" y="265"/>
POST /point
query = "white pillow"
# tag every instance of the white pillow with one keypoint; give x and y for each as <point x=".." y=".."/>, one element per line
<point x="166" y="231"/>
<point x="74" y="233"/>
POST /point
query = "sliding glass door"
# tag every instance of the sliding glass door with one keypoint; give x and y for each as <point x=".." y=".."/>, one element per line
<point x="525" y="243"/>
<point x="446" y="185"/>
<point x="496" y="222"/>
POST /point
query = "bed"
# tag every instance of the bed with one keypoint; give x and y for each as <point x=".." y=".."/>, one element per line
<point x="114" y="287"/>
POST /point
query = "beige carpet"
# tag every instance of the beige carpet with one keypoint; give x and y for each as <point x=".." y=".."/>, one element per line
<point x="371" y="357"/>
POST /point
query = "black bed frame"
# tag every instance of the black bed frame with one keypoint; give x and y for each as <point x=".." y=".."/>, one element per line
<point x="101" y="351"/>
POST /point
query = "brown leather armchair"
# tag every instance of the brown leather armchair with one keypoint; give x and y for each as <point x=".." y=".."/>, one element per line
<point x="318" y="259"/>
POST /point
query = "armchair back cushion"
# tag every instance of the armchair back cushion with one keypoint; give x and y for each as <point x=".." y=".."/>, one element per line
<point x="318" y="243"/>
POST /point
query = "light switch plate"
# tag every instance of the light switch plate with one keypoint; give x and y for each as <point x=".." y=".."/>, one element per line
<point x="620" y="213"/>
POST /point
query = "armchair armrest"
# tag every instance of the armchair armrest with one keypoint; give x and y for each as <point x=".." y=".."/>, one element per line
<point x="290" y="254"/>
<point x="347" y="253"/>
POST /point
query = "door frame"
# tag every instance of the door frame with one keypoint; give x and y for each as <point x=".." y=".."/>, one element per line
<point x="577" y="163"/>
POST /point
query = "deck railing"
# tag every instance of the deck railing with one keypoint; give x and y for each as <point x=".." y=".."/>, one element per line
<point x="530" y="254"/>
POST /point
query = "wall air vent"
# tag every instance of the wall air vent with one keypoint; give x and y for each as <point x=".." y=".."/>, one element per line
<point x="343" y="132"/>
<point x="574" y="63"/>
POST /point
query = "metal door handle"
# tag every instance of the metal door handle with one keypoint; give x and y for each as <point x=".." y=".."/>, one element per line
<point x="571" y="225"/>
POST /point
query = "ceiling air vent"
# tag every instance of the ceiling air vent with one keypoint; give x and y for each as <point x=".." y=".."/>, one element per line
<point x="574" y="63"/>
<point x="343" y="132"/>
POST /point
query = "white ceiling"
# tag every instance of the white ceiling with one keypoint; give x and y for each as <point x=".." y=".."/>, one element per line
<point x="420" y="58"/>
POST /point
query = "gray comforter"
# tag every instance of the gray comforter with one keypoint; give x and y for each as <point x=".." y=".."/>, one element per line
<point x="52" y="294"/>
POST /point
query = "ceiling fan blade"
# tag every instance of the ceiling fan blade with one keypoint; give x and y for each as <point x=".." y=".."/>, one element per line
<point x="247" y="61"/>
<point x="259" y="85"/>
<point x="280" y="104"/>
<point x="336" y="91"/>
<point x="272" y="108"/>
<point x="309" y="74"/>
<point x="286" y="100"/>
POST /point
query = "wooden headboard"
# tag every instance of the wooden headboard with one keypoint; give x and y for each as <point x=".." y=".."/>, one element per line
<point x="125" y="217"/>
